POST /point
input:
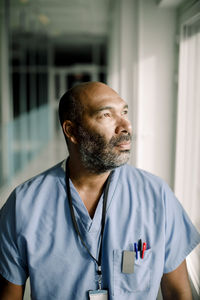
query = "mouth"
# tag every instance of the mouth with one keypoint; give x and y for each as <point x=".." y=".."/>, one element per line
<point x="126" y="145"/>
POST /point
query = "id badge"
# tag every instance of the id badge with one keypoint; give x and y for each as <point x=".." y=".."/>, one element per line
<point x="128" y="262"/>
<point x="98" y="295"/>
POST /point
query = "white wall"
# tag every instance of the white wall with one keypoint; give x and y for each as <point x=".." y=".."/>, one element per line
<point x="156" y="101"/>
<point x="122" y="62"/>
<point x="141" y="69"/>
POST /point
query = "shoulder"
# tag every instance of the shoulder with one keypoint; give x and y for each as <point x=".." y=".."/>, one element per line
<point x="35" y="194"/>
<point x="32" y="200"/>
<point x="44" y="180"/>
<point x="146" y="185"/>
<point x="140" y="177"/>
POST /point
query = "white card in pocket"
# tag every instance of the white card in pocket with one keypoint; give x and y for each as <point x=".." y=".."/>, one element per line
<point x="128" y="260"/>
<point x="98" y="295"/>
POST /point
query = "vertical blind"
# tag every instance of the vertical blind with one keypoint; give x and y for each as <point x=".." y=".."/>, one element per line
<point x="187" y="174"/>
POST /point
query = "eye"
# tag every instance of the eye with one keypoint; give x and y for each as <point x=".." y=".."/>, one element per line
<point x="125" y="112"/>
<point x="106" y="114"/>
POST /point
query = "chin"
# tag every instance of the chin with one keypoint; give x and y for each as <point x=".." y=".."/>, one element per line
<point x="123" y="159"/>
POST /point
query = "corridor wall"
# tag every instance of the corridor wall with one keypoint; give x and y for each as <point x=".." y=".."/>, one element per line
<point x="142" y="63"/>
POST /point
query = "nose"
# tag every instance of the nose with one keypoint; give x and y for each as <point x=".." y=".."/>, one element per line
<point x="123" y="126"/>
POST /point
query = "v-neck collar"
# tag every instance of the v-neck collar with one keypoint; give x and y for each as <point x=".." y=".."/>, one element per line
<point x="91" y="225"/>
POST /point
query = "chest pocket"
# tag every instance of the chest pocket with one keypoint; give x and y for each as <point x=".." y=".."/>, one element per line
<point x="138" y="281"/>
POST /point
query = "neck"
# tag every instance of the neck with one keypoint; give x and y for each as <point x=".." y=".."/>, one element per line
<point x="84" y="178"/>
<point x="88" y="184"/>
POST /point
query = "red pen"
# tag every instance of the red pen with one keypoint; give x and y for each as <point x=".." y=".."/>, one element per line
<point x="143" y="249"/>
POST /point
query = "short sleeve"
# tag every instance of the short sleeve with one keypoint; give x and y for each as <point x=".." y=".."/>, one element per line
<point x="12" y="264"/>
<point x="181" y="237"/>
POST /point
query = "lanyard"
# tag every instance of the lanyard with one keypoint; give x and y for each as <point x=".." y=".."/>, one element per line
<point x="106" y="188"/>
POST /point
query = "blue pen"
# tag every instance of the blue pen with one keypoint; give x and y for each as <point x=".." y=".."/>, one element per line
<point x="136" y="250"/>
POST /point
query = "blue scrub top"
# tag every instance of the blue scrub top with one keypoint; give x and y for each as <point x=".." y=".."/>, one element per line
<point x="37" y="237"/>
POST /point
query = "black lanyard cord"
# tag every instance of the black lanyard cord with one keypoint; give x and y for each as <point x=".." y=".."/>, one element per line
<point x="107" y="183"/>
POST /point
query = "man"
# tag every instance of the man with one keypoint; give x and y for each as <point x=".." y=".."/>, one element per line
<point x="93" y="227"/>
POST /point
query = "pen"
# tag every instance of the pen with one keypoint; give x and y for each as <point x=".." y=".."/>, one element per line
<point x="136" y="250"/>
<point x="140" y="247"/>
<point x="143" y="249"/>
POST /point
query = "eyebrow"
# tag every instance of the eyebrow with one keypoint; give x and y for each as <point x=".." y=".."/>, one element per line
<point x="108" y="108"/>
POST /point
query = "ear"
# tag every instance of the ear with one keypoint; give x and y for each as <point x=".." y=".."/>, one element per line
<point x="69" y="131"/>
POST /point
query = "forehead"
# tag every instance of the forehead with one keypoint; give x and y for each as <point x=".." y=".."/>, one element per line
<point x="101" y="96"/>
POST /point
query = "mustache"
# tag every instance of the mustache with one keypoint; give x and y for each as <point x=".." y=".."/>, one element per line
<point x="123" y="138"/>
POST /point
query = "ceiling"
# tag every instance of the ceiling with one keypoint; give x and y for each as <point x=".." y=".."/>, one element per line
<point x="62" y="20"/>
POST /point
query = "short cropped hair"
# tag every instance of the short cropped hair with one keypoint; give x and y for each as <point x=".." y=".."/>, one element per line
<point x="69" y="108"/>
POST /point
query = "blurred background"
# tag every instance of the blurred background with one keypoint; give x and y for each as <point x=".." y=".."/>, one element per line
<point x="147" y="50"/>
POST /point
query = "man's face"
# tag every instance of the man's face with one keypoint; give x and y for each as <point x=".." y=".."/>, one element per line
<point x="104" y="138"/>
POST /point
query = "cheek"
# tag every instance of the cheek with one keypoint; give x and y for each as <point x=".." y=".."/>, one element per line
<point x="108" y="129"/>
<point x="104" y="128"/>
<point x="107" y="136"/>
<point x="106" y="132"/>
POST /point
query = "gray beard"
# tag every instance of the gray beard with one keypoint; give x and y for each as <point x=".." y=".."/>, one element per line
<point x="97" y="155"/>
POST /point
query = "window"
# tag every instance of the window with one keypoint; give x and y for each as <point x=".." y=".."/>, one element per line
<point x="187" y="174"/>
